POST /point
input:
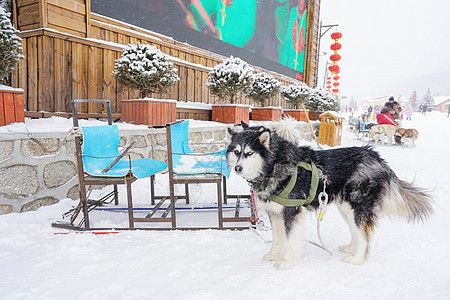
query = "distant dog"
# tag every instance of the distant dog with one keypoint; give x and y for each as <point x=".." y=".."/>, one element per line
<point x="361" y="184"/>
<point x="403" y="135"/>
<point x="378" y="132"/>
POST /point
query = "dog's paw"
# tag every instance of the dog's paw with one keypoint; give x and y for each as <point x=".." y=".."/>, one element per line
<point x="346" y="249"/>
<point x="354" y="260"/>
<point x="284" y="265"/>
<point x="272" y="257"/>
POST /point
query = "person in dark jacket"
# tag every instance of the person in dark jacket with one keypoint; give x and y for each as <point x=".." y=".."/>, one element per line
<point x="394" y="110"/>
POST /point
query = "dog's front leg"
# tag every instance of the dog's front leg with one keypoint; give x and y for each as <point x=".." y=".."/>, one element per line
<point x="294" y="240"/>
<point x="278" y="238"/>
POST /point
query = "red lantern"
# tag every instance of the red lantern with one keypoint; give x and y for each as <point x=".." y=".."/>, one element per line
<point x="336" y="46"/>
<point x="335" y="57"/>
<point x="336" y="77"/>
<point x="335" y="90"/>
<point x="336" y="35"/>
<point x="328" y="86"/>
<point x="328" y="81"/>
<point x="334" y="69"/>
<point x="336" y="84"/>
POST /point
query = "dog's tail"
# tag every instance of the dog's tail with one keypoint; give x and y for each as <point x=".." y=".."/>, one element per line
<point x="406" y="200"/>
<point x="287" y="130"/>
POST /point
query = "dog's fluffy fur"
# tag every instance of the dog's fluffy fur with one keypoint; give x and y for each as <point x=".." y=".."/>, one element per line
<point x="360" y="182"/>
<point x="378" y="132"/>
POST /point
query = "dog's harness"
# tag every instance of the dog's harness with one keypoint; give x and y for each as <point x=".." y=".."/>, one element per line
<point x="282" y="197"/>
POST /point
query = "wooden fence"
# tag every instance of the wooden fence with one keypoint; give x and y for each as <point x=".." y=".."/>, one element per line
<point x="70" y="53"/>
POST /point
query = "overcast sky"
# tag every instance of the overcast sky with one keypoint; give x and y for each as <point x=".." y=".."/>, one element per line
<point x="389" y="47"/>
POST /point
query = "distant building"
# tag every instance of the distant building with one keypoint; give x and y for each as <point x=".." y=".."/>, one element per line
<point x="442" y="103"/>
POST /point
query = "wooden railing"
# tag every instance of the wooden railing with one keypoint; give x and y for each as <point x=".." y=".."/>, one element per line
<point x="70" y="53"/>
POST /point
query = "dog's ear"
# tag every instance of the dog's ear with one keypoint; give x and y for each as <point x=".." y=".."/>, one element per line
<point x="231" y="131"/>
<point x="264" y="138"/>
<point x="244" y="125"/>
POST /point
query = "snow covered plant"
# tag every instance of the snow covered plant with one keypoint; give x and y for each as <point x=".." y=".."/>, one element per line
<point x="321" y="100"/>
<point x="10" y="47"/>
<point x="145" y="68"/>
<point x="229" y="78"/>
<point x="295" y="93"/>
<point x="264" y="86"/>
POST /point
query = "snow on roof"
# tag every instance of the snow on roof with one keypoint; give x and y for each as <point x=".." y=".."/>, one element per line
<point x="441" y="100"/>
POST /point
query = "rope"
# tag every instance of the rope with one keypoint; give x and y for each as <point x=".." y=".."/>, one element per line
<point x="312" y="129"/>
<point x="323" y="202"/>
<point x="72" y="131"/>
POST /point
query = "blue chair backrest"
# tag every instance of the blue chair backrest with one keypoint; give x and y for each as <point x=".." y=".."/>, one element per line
<point x="211" y="163"/>
<point x="101" y="141"/>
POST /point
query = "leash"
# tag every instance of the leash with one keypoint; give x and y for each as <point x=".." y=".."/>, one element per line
<point x="323" y="202"/>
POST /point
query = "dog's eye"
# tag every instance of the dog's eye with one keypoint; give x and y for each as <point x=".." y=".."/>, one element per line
<point x="237" y="152"/>
<point x="250" y="153"/>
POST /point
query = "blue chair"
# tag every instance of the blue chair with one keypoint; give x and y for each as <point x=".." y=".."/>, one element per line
<point x="99" y="162"/>
<point x="187" y="167"/>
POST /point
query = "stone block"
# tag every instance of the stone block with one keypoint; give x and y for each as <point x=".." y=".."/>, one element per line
<point x="207" y="135"/>
<point x="6" y="149"/>
<point x="139" y="140"/>
<point x="5" y="209"/>
<point x="18" y="181"/>
<point x="160" y="155"/>
<point x="34" y="205"/>
<point x="58" y="173"/>
<point x="70" y="147"/>
<point x="219" y="135"/>
<point x="195" y="137"/>
<point x="73" y="193"/>
<point x="39" y="147"/>
<point x="157" y="139"/>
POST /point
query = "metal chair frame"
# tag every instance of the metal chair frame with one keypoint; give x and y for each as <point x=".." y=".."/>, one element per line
<point x="86" y="205"/>
<point x="221" y="183"/>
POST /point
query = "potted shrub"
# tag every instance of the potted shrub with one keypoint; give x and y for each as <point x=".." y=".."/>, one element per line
<point x="320" y="101"/>
<point x="296" y="94"/>
<point x="11" y="100"/>
<point x="263" y="87"/>
<point x="144" y="68"/>
<point x="225" y="81"/>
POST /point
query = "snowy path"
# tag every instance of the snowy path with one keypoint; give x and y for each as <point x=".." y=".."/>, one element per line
<point x="407" y="261"/>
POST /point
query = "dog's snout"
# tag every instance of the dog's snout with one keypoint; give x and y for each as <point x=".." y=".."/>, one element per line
<point x="238" y="169"/>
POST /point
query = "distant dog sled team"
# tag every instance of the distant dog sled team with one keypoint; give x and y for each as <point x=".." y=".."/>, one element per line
<point x="389" y="126"/>
<point x="288" y="180"/>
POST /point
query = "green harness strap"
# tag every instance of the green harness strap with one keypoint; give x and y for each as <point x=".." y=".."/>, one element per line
<point x="282" y="197"/>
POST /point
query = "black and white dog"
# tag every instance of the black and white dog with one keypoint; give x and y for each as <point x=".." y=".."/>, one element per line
<point x="358" y="180"/>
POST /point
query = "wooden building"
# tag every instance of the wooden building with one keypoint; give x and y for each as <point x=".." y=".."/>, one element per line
<point x="70" y="52"/>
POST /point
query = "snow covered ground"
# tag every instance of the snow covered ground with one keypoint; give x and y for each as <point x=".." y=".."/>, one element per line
<point x="407" y="261"/>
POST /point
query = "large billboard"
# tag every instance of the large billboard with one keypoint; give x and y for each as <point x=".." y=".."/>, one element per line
<point x="266" y="33"/>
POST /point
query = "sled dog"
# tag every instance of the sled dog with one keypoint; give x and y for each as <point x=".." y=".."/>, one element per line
<point x="404" y="135"/>
<point x="378" y="132"/>
<point x="358" y="180"/>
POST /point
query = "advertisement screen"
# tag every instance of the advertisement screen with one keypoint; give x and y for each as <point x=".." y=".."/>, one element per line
<point x="265" y="33"/>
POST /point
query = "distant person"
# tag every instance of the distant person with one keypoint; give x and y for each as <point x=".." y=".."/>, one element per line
<point x="370" y="112"/>
<point x="448" y="110"/>
<point x="394" y="110"/>
<point x="424" y="110"/>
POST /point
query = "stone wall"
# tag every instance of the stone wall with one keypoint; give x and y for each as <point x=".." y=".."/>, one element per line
<point x="41" y="171"/>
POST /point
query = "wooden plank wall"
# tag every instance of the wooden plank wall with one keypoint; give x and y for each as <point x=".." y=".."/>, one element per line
<point x="63" y="65"/>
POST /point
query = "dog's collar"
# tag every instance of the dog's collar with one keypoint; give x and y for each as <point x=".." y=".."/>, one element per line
<point x="282" y="197"/>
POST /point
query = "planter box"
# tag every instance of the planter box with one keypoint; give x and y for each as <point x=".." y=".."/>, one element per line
<point x="298" y="114"/>
<point x="266" y="113"/>
<point x="154" y="112"/>
<point x="314" y="115"/>
<point x="11" y="106"/>
<point x="230" y="113"/>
